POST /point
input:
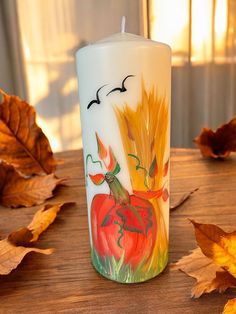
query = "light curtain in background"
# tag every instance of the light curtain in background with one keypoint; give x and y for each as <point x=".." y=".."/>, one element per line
<point x="39" y="39"/>
<point x="202" y="34"/>
<point x="12" y="69"/>
<point x="51" y="32"/>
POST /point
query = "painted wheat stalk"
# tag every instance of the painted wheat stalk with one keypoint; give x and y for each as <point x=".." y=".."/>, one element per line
<point x="144" y="135"/>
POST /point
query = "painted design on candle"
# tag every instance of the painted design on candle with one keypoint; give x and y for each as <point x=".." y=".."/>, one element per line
<point x="123" y="225"/>
<point x="121" y="89"/>
<point x="96" y="101"/>
<point x="129" y="234"/>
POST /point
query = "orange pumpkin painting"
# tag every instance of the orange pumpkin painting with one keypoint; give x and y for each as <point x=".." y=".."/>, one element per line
<point x="123" y="224"/>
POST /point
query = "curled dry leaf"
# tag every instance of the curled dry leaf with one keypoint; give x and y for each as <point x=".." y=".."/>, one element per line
<point x="22" y="143"/>
<point x="183" y="199"/>
<point x="12" y="250"/>
<point x="218" y="144"/>
<point x="218" y="245"/>
<point x="213" y="264"/>
<point x="209" y="276"/>
<point x="11" y="255"/>
<point x="16" y="190"/>
<point x="43" y="218"/>
<point x="230" y="307"/>
<point x="21" y="236"/>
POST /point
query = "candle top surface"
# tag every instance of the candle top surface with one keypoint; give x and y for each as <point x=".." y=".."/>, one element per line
<point x="124" y="38"/>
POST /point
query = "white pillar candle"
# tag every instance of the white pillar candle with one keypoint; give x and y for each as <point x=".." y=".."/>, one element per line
<point x="124" y="91"/>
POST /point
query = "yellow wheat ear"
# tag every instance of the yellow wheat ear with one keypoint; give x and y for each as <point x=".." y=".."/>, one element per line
<point x="144" y="135"/>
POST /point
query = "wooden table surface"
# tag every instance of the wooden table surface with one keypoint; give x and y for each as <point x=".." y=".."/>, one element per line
<point x="65" y="282"/>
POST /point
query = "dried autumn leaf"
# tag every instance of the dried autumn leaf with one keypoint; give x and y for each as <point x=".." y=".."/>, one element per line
<point x="11" y="254"/>
<point x="223" y="281"/>
<point x="22" y="142"/>
<point x="40" y="222"/>
<point x="230" y="307"/>
<point x="22" y="236"/>
<point x="218" y="144"/>
<point x="218" y="245"/>
<point x="16" y="190"/>
<point x="209" y="276"/>
<point x="183" y="199"/>
<point x="43" y="218"/>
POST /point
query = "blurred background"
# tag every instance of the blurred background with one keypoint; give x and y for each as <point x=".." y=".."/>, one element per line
<point x="38" y="40"/>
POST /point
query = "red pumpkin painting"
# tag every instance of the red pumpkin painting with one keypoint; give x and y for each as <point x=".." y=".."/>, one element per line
<point x="123" y="224"/>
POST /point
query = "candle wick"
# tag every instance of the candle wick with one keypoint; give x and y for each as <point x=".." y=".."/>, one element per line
<point x="123" y="20"/>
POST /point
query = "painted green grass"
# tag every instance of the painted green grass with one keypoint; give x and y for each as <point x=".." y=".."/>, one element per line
<point x="117" y="270"/>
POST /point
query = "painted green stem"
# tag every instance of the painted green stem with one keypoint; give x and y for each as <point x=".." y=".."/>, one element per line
<point x="139" y="167"/>
<point x="121" y="195"/>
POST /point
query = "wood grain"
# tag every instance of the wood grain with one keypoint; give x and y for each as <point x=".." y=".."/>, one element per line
<point x="65" y="282"/>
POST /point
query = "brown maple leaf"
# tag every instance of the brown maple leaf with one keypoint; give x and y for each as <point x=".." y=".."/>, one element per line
<point x="12" y="250"/>
<point x="213" y="264"/>
<point x="16" y="190"/>
<point x="22" y="142"/>
<point x="218" y="144"/>
<point x="230" y="307"/>
<point x="209" y="276"/>
<point x="218" y="245"/>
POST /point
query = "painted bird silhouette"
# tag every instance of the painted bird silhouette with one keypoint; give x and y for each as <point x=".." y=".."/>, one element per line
<point x="121" y="89"/>
<point x="97" y="100"/>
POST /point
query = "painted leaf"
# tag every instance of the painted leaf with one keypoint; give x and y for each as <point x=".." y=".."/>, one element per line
<point x="230" y="307"/>
<point x="153" y="168"/>
<point x="129" y="129"/>
<point x="102" y="152"/>
<point x="16" y="190"/>
<point x="166" y="168"/>
<point x="135" y="219"/>
<point x="209" y="276"/>
<point x="218" y="144"/>
<point x="149" y="194"/>
<point x="108" y="220"/>
<point x="97" y="179"/>
<point x="12" y="250"/>
<point x="113" y="166"/>
<point x="152" y="145"/>
<point x="165" y="195"/>
<point x="22" y="142"/>
<point x="217" y="244"/>
<point x="116" y="170"/>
